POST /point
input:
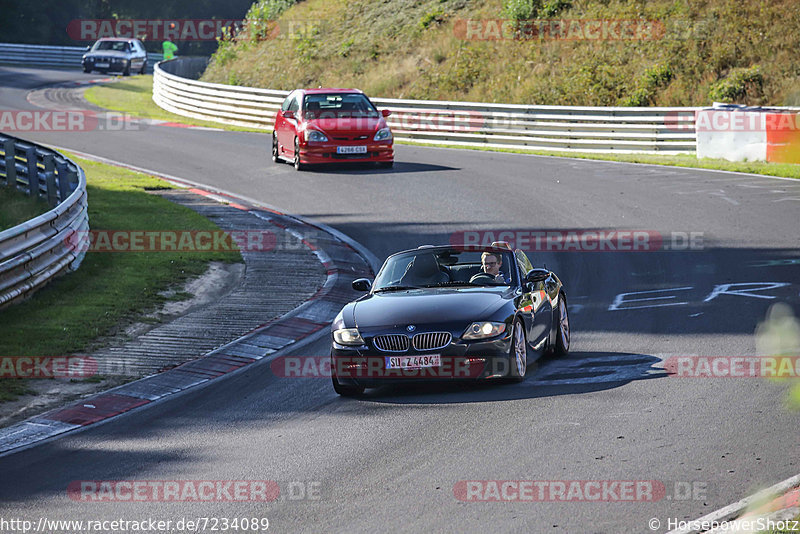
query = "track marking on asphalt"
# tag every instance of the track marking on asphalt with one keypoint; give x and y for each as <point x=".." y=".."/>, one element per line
<point x="725" y="289"/>
<point x="620" y="299"/>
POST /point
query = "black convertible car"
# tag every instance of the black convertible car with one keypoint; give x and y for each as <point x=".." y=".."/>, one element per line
<point x="448" y="312"/>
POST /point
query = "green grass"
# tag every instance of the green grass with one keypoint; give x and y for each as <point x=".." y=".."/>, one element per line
<point x="18" y="207"/>
<point x="109" y="290"/>
<point x="786" y="170"/>
<point x="134" y="95"/>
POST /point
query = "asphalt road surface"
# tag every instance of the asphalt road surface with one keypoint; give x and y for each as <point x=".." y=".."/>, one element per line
<point x="393" y="460"/>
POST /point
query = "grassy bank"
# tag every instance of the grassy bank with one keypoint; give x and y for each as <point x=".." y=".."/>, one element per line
<point x="695" y="52"/>
<point x="109" y="290"/>
<point x="134" y="96"/>
<point x="18" y="208"/>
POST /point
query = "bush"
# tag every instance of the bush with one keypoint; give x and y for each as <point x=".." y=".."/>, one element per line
<point x="521" y="9"/>
<point x="738" y="84"/>
<point x="653" y="79"/>
<point x="534" y="9"/>
<point x="434" y="16"/>
<point x="552" y="8"/>
<point x="261" y="13"/>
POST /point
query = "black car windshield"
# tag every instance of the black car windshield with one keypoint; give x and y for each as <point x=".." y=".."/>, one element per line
<point x="338" y="105"/>
<point x="116" y="46"/>
<point x="447" y="267"/>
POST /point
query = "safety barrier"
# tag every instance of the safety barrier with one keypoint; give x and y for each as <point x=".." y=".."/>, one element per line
<point x="38" y="250"/>
<point x="53" y="56"/>
<point x="556" y="128"/>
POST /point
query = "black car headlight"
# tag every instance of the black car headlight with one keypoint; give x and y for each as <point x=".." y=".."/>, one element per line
<point x="348" y="336"/>
<point x="483" y="330"/>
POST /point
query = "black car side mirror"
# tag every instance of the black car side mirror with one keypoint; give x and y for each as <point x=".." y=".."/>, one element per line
<point x="535" y="276"/>
<point x="288" y="114"/>
<point x="362" y="284"/>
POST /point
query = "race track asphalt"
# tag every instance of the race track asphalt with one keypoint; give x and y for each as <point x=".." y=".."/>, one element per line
<point x="390" y="461"/>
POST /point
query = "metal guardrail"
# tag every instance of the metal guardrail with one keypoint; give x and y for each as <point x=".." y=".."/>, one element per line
<point x="36" y="251"/>
<point x="556" y="128"/>
<point x="53" y="56"/>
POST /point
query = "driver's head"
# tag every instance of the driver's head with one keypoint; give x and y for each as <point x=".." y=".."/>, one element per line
<point x="491" y="263"/>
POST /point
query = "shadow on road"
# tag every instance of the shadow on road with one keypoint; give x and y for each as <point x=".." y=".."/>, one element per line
<point x="400" y="167"/>
<point x="580" y="372"/>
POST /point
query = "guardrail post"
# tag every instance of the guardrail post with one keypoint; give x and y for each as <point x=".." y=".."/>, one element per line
<point x="10" y="148"/>
<point x="50" y="179"/>
<point x="65" y="178"/>
<point x="33" y="171"/>
<point x="61" y="172"/>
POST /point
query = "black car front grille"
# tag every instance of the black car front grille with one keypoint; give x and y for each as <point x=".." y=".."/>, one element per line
<point x="432" y="340"/>
<point x="391" y="342"/>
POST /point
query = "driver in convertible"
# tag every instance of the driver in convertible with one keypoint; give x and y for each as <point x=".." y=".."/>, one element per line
<point x="490" y="264"/>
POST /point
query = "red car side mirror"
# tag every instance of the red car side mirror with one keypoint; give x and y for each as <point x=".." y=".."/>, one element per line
<point x="385" y="112"/>
<point x="288" y="114"/>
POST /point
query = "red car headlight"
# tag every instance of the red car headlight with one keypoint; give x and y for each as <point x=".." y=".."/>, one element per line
<point x="315" y="136"/>
<point x="384" y="134"/>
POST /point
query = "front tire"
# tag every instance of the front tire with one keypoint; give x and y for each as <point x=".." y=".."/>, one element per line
<point x="87" y="70"/>
<point x="144" y="67"/>
<point x="297" y="165"/>
<point x="275" y="157"/>
<point x="518" y="355"/>
<point x="562" y="332"/>
<point x="346" y="391"/>
<point x="127" y="71"/>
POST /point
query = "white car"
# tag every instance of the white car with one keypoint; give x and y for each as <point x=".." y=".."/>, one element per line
<point x="114" y="54"/>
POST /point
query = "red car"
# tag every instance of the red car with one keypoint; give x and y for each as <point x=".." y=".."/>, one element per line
<point x="329" y="126"/>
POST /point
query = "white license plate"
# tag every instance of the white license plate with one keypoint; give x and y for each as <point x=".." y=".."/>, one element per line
<point x="101" y="65"/>
<point x="351" y="149"/>
<point x="413" y="362"/>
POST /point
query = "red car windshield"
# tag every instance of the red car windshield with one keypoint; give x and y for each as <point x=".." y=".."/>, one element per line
<point x="338" y="105"/>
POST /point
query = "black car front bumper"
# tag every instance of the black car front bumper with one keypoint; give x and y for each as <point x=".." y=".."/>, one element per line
<point x="365" y="366"/>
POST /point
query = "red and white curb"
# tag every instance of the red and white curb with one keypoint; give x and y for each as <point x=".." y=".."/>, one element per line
<point x="344" y="260"/>
<point x="741" y="515"/>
